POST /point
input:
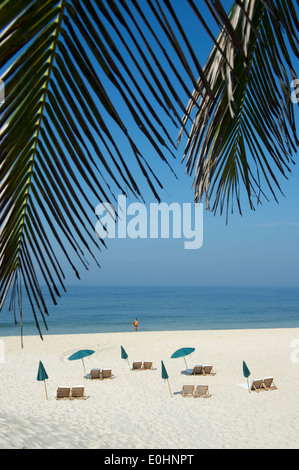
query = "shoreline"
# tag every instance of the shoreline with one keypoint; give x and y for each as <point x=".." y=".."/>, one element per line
<point x="134" y="410"/>
<point x="140" y="331"/>
<point x="88" y="310"/>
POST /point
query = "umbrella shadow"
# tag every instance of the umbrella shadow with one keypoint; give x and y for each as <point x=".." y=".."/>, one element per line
<point x="180" y="393"/>
<point x="187" y="372"/>
<point x="87" y="377"/>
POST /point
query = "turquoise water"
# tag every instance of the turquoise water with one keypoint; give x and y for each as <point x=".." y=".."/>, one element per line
<point x="92" y="309"/>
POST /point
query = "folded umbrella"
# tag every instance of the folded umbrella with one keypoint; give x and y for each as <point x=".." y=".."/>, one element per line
<point x="165" y="375"/>
<point x="124" y="355"/>
<point x="246" y="372"/>
<point x="42" y="376"/>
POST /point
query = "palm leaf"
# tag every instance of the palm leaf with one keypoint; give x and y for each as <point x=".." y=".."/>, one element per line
<point x="65" y="145"/>
<point x="63" y="137"/>
<point x="246" y="138"/>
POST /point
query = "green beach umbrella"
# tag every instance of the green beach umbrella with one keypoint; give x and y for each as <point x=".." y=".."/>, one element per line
<point x="80" y="355"/>
<point x="165" y="375"/>
<point x="246" y="372"/>
<point x="42" y="376"/>
<point x="182" y="353"/>
<point x="124" y="355"/>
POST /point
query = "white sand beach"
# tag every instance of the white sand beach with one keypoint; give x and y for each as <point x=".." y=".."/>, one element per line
<point x="134" y="410"/>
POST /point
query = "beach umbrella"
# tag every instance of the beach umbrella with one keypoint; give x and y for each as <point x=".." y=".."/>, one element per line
<point x="124" y="355"/>
<point x="80" y="355"/>
<point x="42" y="376"/>
<point x="165" y="375"/>
<point x="183" y="352"/>
<point x="246" y="372"/>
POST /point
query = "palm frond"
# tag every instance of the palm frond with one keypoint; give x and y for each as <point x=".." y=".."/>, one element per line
<point x="246" y="137"/>
<point x="84" y="78"/>
<point x="63" y="133"/>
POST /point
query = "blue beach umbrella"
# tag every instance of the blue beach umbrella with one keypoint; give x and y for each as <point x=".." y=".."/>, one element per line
<point x="124" y="355"/>
<point x="182" y="353"/>
<point x="80" y="355"/>
<point x="164" y="375"/>
<point x="42" y="376"/>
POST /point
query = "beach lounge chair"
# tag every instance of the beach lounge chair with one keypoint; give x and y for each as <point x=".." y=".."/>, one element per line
<point x="202" y="391"/>
<point x="268" y="383"/>
<point x="63" y="392"/>
<point x="147" y="365"/>
<point x="197" y="370"/>
<point x="95" y="374"/>
<point x="77" y="392"/>
<point x="187" y="391"/>
<point x="106" y="374"/>
<point x="208" y="370"/>
<point x="137" y="366"/>
<point x="256" y="385"/>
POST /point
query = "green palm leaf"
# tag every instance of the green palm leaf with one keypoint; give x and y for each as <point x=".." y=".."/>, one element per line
<point x="246" y="138"/>
<point x="66" y="146"/>
<point x="61" y="133"/>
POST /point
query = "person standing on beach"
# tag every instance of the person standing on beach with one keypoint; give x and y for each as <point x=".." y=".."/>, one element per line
<point x="136" y="324"/>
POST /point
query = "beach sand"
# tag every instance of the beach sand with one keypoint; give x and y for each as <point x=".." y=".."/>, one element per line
<point x="134" y="410"/>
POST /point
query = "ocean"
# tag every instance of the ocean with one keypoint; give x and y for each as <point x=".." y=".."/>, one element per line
<point x="93" y="309"/>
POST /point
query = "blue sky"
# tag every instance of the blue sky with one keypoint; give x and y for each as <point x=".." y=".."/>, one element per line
<point x="257" y="249"/>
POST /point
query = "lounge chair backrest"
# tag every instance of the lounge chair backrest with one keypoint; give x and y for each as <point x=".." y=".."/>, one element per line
<point x="256" y="384"/>
<point x="106" y="373"/>
<point x="95" y="373"/>
<point x="187" y="390"/>
<point x="207" y="369"/>
<point x="197" y="370"/>
<point x="202" y="390"/>
<point x="147" y="365"/>
<point x="137" y="365"/>
<point x="268" y="382"/>
<point x="63" y="392"/>
<point x="77" y="391"/>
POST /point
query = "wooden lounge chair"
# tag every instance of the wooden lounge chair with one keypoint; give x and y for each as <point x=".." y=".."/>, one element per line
<point x="106" y="374"/>
<point x="197" y="370"/>
<point x="137" y="366"/>
<point x="257" y="385"/>
<point x="187" y="391"/>
<point x="147" y="365"/>
<point x="77" y="392"/>
<point x="63" y="393"/>
<point x="202" y="391"/>
<point x="95" y="374"/>
<point x="208" y="370"/>
<point x="268" y="383"/>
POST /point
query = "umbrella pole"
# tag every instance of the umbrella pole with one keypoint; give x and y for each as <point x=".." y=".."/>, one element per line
<point x="84" y="369"/>
<point x="128" y="363"/>
<point x="46" y="390"/>
<point x="248" y="385"/>
<point x="169" y="388"/>
<point x="186" y="365"/>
